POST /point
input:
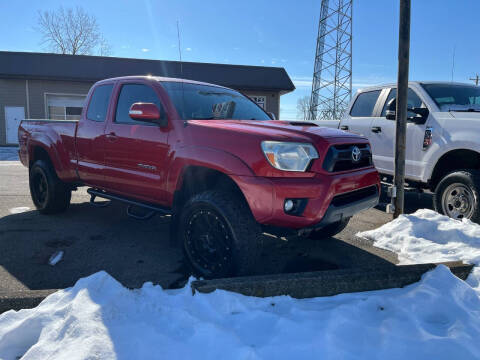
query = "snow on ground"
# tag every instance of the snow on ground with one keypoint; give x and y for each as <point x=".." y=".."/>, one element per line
<point x="436" y="318"/>
<point x="427" y="236"/>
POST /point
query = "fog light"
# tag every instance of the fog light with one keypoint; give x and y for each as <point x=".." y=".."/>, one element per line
<point x="288" y="206"/>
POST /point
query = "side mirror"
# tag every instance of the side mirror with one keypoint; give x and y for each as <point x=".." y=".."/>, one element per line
<point x="147" y="112"/>
<point x="272" y="115"/>
<point x="421" y="115"/>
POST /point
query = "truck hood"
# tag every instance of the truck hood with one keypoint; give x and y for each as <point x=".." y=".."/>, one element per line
<point x="278" y="129"/>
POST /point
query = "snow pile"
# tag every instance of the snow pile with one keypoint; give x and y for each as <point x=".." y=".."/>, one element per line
<point x="436" y="318"/>
<point x="98" y="318"/>
<point x="426" y="237"/>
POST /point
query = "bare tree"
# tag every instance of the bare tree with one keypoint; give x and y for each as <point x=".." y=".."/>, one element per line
<point x="72" y="31"/>
<point x="303" y="108"/>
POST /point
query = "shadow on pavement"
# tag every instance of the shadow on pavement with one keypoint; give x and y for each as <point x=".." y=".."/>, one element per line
<point x="135" y="252"/>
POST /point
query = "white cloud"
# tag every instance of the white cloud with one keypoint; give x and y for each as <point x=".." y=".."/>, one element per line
<point x="188" y="49"/>
<point x="145" y="50"/>
<point x="262" y="61"/>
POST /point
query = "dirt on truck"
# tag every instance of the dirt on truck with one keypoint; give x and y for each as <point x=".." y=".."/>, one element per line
<point x="209" y="156"/>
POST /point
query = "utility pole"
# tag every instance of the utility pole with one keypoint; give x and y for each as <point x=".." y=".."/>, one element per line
<point x="476" y="79"/>
<point x="401" y="110"/>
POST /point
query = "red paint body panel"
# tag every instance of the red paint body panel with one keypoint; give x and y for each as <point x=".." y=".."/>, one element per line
<point x="147" y="162"/>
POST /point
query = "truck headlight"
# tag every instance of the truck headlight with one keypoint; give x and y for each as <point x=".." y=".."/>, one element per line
<point x="289" y="156"/>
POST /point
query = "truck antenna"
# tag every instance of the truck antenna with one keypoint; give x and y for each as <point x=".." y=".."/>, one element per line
<point x="181" y="72"/>
<point x="179" y="49"/>
<point x="453" y="61"/>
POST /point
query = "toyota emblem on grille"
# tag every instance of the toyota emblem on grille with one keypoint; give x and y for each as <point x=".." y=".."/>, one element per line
<point x="356" y="154"/>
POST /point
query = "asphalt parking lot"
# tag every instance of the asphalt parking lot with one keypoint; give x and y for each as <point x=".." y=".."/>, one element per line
<point x="135" y="251"/>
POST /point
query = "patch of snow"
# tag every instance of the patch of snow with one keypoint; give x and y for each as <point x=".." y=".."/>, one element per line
<point x="56" y="257"/>
<point x="98" y="318"/>
<point x="18" y="210"/>
<point x="427" y="236"/>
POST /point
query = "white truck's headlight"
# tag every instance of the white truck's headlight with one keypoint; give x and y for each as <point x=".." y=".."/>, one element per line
<point x="289" y="156"/>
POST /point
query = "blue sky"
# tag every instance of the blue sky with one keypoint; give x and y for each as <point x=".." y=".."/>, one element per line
<point x="272" y="33"/>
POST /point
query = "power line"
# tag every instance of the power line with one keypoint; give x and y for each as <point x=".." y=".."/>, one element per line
<point x="476" y="79"/>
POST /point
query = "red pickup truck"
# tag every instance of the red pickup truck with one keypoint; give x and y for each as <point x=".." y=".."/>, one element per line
<point x="209" y="156"/>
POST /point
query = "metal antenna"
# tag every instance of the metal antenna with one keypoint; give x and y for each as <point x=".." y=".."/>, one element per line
<point x="332" y="72"/>
<point x="179" y="49"/>
<point x="453" y="60"/>
<point x="181" y="73"/>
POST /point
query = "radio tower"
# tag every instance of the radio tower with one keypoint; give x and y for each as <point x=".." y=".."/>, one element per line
<point x="332" y="72"/>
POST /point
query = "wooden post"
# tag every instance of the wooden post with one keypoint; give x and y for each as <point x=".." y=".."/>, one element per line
<point x="401" y="110"/>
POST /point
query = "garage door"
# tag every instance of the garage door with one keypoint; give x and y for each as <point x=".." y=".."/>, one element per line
<point x="64" y="107"/>
<point x="13" y="116"/>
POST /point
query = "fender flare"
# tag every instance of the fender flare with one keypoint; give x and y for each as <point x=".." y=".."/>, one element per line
<point x="206" y="157"/>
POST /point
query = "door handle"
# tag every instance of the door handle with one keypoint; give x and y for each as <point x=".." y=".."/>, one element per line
<point x="376" y="129"/>
<point x="111" y="136"/>
<point x="344" y="127"/>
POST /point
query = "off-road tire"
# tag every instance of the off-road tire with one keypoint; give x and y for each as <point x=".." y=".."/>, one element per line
<point x="245" y="233"/>
<point x="329" y="230"/>
<point x="469" y="178"/>
<point x="58" y="194"/>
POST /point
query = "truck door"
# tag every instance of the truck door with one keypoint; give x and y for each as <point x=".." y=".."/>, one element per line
<point x="382" y="139"/>
<point x="359" y="120"/>
<point x="135" y="151"/>
<point x="90" y="136"/>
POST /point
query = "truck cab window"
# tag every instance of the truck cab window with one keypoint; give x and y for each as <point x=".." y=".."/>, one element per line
<point x="364" y="104"/>
<point x="98" y="107"/>
<point x="130" y="94"/>
<point x="413" y="101"/>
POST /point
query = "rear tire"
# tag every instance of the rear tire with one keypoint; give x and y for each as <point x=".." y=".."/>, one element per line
<point x="219" y="236"/>
<point x="49" y="194"/>
<point x="457" y="195"/>
<point x="329" y="230"/>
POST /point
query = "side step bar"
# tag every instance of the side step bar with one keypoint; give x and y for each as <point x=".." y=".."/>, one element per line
<point x="153" y="209"/>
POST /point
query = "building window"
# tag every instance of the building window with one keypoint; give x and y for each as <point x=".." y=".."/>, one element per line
<point x="64" y="107"/>
<point x="260" y="100"/>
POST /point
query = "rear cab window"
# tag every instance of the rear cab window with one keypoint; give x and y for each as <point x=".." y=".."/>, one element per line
<point x="98" y="106"/>
<point x="365" y="104"/>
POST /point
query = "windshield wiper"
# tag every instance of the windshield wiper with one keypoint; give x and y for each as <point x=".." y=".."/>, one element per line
<point x="203" y="118"/>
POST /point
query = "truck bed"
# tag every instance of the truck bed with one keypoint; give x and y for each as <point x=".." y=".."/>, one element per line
<point x="58" y="134"/>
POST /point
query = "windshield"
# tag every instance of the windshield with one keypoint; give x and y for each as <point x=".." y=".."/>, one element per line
<point x="194" y="101"/>
<point x="451" y="97"/>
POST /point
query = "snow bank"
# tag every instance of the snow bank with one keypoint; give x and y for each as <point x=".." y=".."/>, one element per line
<point x="100" y="319"/>
<point x="437" y="318"/>
<point x="427" y="236"/>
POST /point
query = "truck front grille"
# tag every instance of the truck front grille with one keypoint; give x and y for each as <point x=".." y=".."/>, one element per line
<point x="347" y="157"/>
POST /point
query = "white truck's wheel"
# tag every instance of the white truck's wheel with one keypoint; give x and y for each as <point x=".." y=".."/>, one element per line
<point x="458" y="195"/>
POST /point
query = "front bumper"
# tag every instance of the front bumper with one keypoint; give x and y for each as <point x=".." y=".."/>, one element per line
<point x="266" y="197"/>
<point x="337" y="212"/>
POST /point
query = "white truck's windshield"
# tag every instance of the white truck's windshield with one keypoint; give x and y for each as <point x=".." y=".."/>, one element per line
<point x="451" y="97"/>
<point x="203" y="102"/>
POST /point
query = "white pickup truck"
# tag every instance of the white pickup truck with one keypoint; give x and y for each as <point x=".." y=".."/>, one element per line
<point x="443" y="139"/>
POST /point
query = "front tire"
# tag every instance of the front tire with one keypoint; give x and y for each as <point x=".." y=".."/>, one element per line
<point x="458" y="195"/>
<point x="329" y="230"/>
<point x="49" y="194"/>
<point x="219" y="235"/>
